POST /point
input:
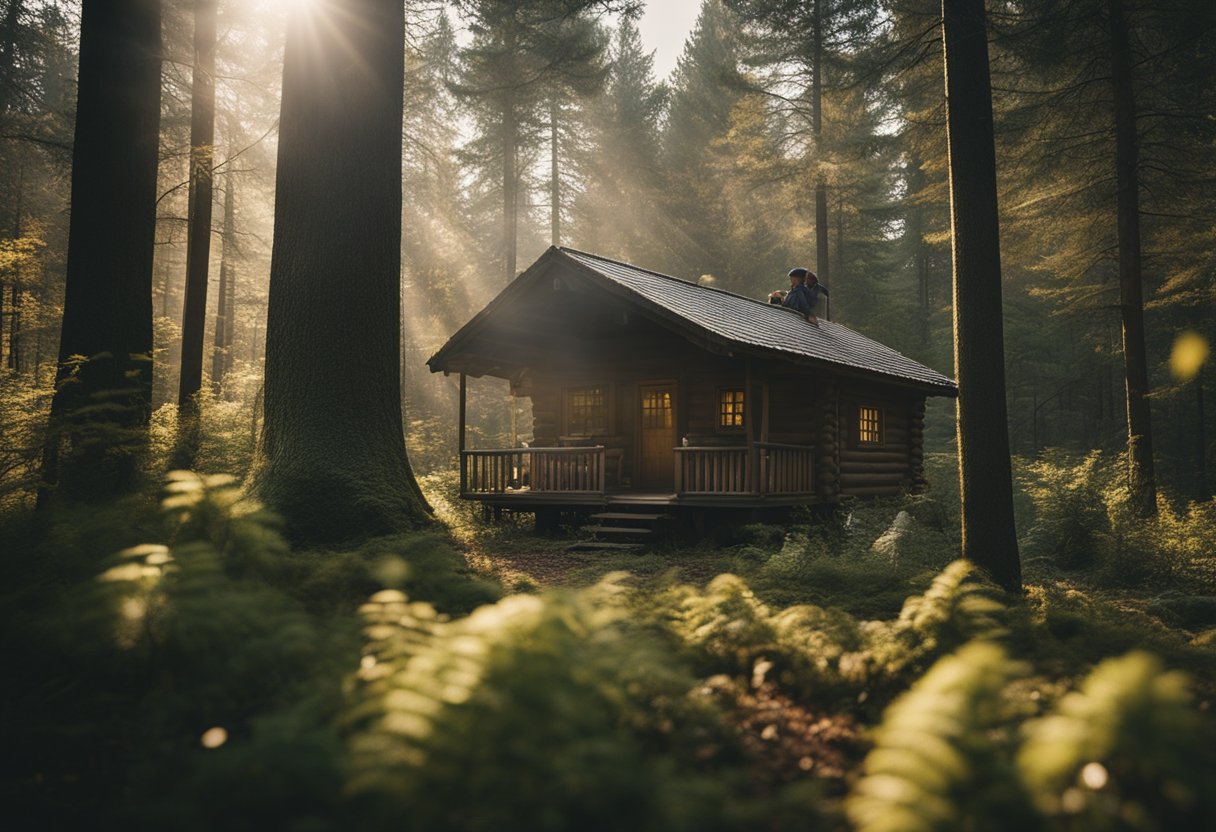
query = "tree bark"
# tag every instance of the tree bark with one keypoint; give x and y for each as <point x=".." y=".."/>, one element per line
<point x="1141" y="477"/>
<point x="555" y="185"/>
<point x="332" y="456"/>
<point x="1203" y="490"/>
<point x="821" y="188"/>
<point x="198" y="235"/>
<point x="985" y="474"/>
<point x="107" y="314"/>
<point x="510" y="202"/>
<point x="223" y="312"/>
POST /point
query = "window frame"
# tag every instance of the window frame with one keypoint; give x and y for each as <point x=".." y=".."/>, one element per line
<point x="718" y="411"/>
<point x="880" y="428"/>
<point x="568" y="393"/>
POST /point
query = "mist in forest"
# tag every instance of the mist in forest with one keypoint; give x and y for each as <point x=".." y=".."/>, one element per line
<point x="243" y="592"/>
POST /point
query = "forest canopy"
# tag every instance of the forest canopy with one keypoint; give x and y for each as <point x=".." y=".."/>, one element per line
<point x="246" y="583"/>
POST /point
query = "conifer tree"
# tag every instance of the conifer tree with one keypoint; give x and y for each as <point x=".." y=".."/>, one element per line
<point x="332" y="456"/>
<point x="985" y="474"/>
<point x="618" y="212"/>
<point x="104" y="378"/>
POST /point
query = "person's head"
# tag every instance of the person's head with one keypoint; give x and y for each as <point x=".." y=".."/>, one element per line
<point x="797" y="277"/>
<point x="811" y="278"/>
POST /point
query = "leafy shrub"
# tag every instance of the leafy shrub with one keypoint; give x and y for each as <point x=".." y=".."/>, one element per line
<point x="1070" y="519"/>
<point x="539" y="712"/>
<point x="942" y="755"/>
<point x="1126" y="751"/>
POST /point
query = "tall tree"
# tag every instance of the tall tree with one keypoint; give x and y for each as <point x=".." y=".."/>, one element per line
<point x="198" y="240"/>
<point x="521" y="52"/>
<point x="225" y="312"/>
<point x="1141" y="478"/>
<point x="705" y="90"/>
<point x="989" y="537"/>
<point x="799" y="43"/>
<point x="104" y="377"/>
<point x="332" y="456"/>
<point x="617" y="214"/>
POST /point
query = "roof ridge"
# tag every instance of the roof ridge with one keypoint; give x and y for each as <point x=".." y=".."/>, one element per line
<point x="673" y="277"/>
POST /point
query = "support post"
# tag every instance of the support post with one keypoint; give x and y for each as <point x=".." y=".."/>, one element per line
<point x="749" y="422"/>
<point x="464" y="389"/>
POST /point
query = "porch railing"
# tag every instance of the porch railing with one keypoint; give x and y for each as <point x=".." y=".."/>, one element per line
<point x="564" y="470"/>
<point x="786" y="469"/>
<point x="779" y="469"/>
<point x="709" y="470"/>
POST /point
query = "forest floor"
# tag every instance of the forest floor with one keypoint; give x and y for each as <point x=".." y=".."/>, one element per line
<point x="740" y="681"/>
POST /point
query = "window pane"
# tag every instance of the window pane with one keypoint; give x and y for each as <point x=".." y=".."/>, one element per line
<point x="656" y="409"/>
<point x="588" y="410"/>
<point x="869" y="427"/>
<point x="730" y="409"/>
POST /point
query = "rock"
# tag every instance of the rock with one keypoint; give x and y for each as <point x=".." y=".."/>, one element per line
<point x="887" y="544"/>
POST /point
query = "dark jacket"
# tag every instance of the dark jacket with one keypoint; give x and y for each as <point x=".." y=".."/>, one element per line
<point x="805" y="298"/>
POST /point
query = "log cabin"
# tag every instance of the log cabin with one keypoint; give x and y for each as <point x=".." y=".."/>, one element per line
<point x="649" y="390"/>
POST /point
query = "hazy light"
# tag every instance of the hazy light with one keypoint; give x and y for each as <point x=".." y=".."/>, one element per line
<point x="1190" y="353"/>
<point x="214" y="737"/>
<point x="1094" y="775"/>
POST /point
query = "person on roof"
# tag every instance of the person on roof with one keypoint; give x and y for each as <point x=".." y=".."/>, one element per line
<point x="804" y="293"/>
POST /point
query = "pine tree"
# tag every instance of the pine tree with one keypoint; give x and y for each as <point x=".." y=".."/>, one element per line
<point x="985" y="475"/>
<point x="202" y="164"/>
<point x="332" y="457"/>
<point x="104" y="380"/>
<point x="617" y="213"/>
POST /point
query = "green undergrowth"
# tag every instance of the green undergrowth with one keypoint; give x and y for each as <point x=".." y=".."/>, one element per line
<point x="173" y="662"/>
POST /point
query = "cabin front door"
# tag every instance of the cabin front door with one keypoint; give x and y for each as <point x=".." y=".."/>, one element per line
<point x="657" y="436"/>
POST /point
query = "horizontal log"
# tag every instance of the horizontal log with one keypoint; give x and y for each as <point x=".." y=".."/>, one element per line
<point x="865" y="480"/>
<point x="900" y="468"/>
<point x="873" y="456"/>
<point x="872" y="491"/>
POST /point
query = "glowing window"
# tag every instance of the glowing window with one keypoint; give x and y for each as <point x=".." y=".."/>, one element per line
<point x="588" y="410"/>
<point x="730" y="409"/>
<point x="656" y="409"/>
<point x="869" y="425"/>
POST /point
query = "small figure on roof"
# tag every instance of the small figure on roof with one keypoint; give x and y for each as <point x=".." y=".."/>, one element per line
<point x="777" y="298"/>
<point x="804" y="293"/>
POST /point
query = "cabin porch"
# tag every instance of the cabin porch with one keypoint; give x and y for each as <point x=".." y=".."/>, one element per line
<point x="759" y="475"/>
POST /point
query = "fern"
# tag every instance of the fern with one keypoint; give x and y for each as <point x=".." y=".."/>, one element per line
<point x="1126" y="751"/>
<point x="941" y="759"/>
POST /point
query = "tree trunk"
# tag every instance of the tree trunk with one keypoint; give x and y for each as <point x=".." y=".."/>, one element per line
<point x="223" y="312"/>
<point x="821" y="188"/>
<point x="332" y="459"/>
<point x="230" y="328"/>
<point x="1203" y="491"/>
<point x="510" y="202"/>
<point x="107" y="314"/>
<point x="555" y="185"/>
<point x="985" y="474"/>
<point x="198" y="235"/>
<point x="14" y="326"/>
<point x="1141" y="477"/>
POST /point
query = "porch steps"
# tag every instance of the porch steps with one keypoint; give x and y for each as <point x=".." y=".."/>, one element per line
<point x="618" y="530"/>
<point x="604" y="546"/>
<point x="628" y="515"/>
<point x="621" y="530"/>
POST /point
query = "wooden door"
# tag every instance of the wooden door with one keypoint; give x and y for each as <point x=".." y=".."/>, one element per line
<point x="657" y="436"/>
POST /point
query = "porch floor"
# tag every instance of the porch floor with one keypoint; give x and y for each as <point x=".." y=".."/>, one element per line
<point x="525" y="499"/>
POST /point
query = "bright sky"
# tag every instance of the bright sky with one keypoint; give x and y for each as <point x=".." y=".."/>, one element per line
<point x="664" y="26"/>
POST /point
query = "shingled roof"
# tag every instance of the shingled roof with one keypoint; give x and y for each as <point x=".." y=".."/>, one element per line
<point x="750" y="324"/>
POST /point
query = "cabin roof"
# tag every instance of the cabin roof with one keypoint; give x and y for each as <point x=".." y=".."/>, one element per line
<point x="730" y="319"/>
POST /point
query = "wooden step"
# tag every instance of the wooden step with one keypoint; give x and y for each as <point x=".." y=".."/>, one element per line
<point x="616" y="530"/>
<point x="625" y="515"/>
<point x="596" y="546"/>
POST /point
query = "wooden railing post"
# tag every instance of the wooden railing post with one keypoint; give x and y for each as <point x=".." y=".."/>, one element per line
<point x="464" y="385"/>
